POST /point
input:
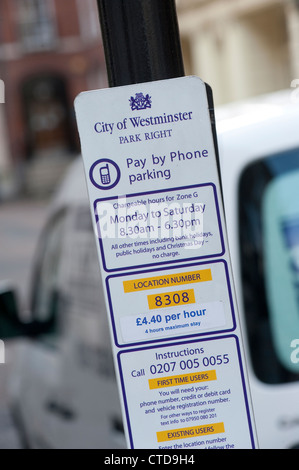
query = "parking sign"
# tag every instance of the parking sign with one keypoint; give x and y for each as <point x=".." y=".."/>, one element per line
<point x="156" y="204"/>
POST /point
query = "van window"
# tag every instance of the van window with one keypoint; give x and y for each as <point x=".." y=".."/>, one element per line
<point x="269" y="251"/>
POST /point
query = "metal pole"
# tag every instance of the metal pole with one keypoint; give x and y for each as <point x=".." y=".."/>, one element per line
<point x="141" y="40"/>
<point x="142" y="43"/>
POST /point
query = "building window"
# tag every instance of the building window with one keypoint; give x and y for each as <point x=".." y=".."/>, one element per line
<point x="36" y="24"/>
<point x="89" y="20"/>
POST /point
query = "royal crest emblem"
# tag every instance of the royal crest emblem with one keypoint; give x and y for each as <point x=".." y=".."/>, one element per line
<point x="140" y="101"/>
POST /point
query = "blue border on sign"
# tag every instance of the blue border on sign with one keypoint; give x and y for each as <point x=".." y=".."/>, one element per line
<point x="159" y="340"/>
<point x="122" y="382"/>
<point x="126" y="268"/>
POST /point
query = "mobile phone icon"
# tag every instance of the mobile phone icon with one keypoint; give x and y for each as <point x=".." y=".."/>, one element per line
<point x="105" y="174"/>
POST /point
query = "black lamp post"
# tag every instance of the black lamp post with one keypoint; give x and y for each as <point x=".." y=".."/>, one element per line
<point x="141" y="40"/>
<point x="142" y="44"/>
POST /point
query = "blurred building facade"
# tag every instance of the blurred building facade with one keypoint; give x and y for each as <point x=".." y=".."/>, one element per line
<point x="241" y="48"/>
<point x="50" y="50"/>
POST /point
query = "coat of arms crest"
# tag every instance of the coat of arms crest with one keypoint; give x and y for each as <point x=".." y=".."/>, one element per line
<point x="140" y="101"/>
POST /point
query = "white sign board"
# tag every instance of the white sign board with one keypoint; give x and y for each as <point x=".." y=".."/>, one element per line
<point x="157" y="211"/>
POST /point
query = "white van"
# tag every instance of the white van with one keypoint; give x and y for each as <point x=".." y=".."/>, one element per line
<point x="63" y="390"/>
<point x="259" y="151"/>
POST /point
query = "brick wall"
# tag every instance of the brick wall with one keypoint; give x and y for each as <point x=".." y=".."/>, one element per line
<point x="72" y="58"/>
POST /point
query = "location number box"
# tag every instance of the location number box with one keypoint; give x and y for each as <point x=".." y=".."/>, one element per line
<point x="149" y="306"/>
